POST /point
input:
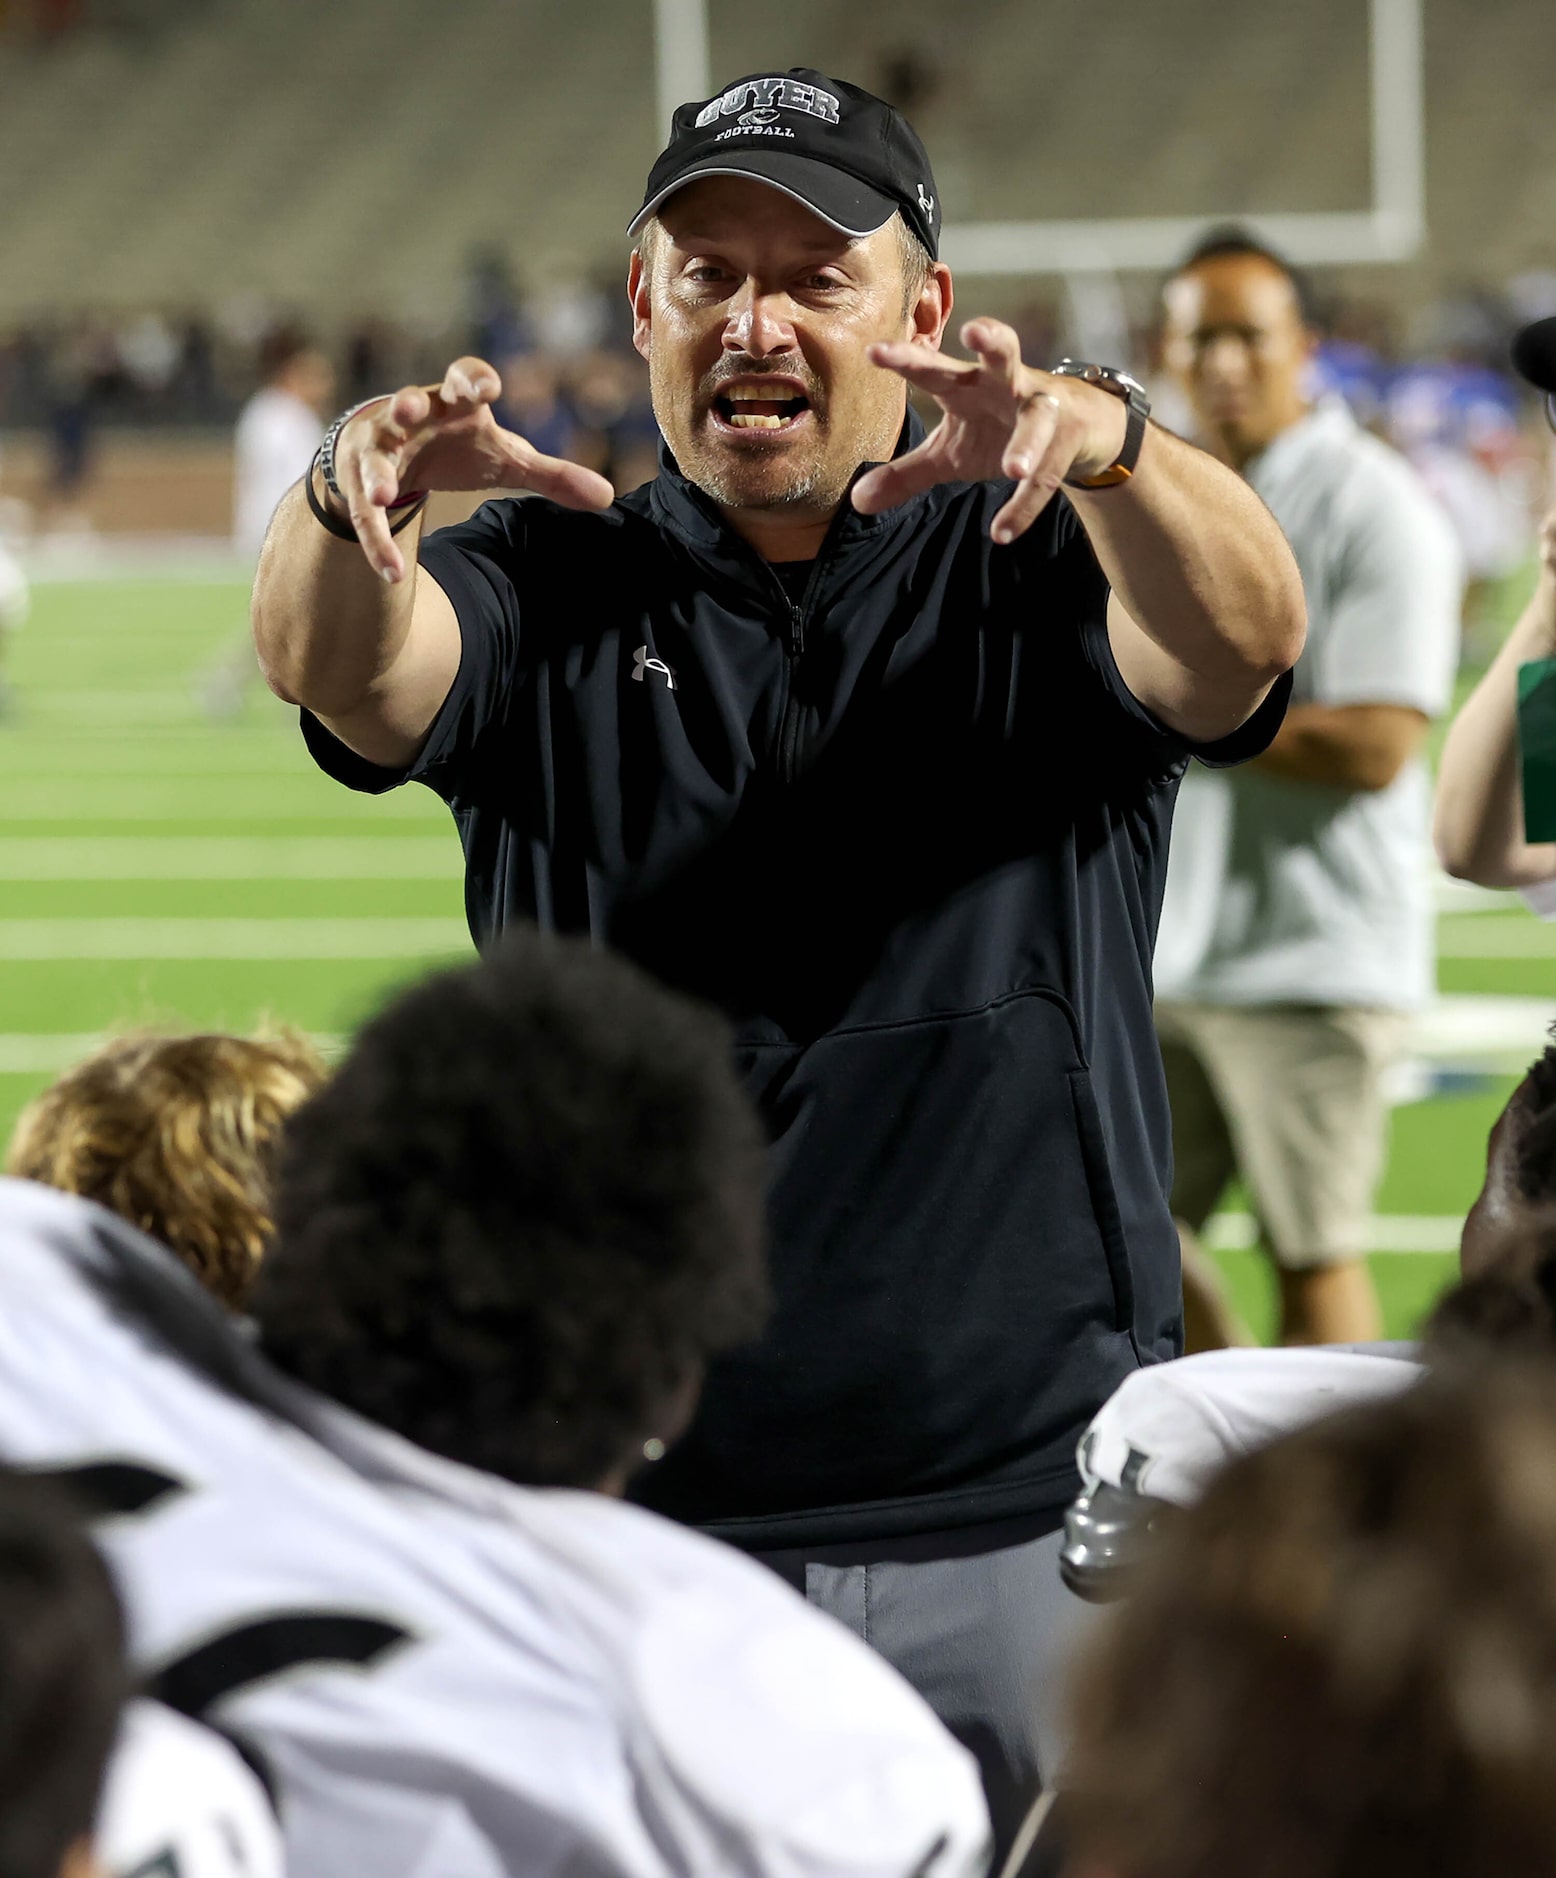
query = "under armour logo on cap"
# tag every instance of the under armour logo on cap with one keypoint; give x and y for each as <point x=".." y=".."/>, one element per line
<point x="642" y="663"/>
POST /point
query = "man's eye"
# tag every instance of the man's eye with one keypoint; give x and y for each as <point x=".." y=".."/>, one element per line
<point x="706" y="271"/>
<point x="814" y="281"/>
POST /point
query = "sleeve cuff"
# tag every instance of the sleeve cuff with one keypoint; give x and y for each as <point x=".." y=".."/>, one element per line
<point x="1251" y="738"/>
<point x="342" y="764"/>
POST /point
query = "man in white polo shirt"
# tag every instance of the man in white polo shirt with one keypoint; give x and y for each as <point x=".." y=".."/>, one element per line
<point x="1296" y="935"/>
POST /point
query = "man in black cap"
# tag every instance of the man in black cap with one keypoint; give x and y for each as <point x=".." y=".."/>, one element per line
<point x="871" y="738"/>
<point x="1479" y="827"/>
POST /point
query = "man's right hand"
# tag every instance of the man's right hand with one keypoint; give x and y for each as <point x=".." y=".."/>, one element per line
<point x="444" y="437"/>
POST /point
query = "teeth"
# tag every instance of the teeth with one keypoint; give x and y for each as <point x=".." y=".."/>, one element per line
<point x="756" y="420"/>
<point x="757" y="394"/>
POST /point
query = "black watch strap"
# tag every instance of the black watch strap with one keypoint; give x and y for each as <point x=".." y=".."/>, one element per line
<point x="1133" y="393"/>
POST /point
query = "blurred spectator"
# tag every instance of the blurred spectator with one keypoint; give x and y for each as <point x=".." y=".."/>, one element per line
<point x="615" y="429"/>
<point x="1342" y="1662"/>
<point x="277" y="435"/>
<point x="281" y="427"/>
<point x="148" y="352"/>
<point x="1354" y="360"/>
<point x="570" y="315"/>
<point x="498" y="326"/>
<point x="176" y="1135"/>
<point x="1296" y="931"/>
<point x="15" y="603"/>
<point x="531" y="402"/>
<point x="63" y="1683"/>
<point x="79" y="372"/>
<point x="1459" y="421"/>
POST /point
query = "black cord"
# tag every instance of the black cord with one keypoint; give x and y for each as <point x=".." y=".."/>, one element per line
<point x="343" y="531"/>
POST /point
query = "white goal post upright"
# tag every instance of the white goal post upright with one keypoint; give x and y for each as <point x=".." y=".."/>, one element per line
<point x="680" y="57"/>
<point x="1392" y="229"/>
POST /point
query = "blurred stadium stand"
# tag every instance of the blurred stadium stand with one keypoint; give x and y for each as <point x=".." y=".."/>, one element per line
<point x="184" y="172"/>
<point x="347" y="156"/>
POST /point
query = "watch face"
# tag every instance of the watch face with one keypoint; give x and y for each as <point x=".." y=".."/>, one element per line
<point x="1108" y="378"/>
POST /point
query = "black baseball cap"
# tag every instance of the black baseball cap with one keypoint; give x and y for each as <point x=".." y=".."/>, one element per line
<point x="843" y="152"/>
<point x="1534" y="354"/>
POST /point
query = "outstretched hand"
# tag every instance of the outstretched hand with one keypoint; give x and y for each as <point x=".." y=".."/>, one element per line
<point x="444" y="437"/>
<point x="1000" y="418"/>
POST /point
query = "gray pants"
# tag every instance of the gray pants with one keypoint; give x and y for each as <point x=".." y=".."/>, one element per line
<point x="985" y="1636"/>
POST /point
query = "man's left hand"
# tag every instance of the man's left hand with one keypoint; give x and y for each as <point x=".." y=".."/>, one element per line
<point x="1001" y="419"/>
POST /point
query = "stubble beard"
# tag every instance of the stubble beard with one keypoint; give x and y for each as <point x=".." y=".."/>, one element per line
<point x="749" y="475"/>
<point x="757" y="481"/>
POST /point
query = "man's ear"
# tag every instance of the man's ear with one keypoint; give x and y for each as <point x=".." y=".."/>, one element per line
<point x="932" y="310"/>
<point x="639" y="300"/>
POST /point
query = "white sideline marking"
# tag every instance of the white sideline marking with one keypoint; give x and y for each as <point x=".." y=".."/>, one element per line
<point x="50" y="939"/>
<point x="21" y="1054"/>
<point x="1478" y="1025"/>
<point x="204" y="799"/>
<point x="1391" y="1232"/>
<point x="230" y="857"/>
<point x="46" y="1053"/>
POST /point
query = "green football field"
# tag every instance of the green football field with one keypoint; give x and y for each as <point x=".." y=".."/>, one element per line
<point x="160" y="868"/>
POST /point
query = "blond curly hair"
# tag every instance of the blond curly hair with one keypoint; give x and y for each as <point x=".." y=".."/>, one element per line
<point x="176" y="1134"/>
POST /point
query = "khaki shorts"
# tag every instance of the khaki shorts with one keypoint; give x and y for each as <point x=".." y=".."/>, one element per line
<point x="1291" y="1097"/>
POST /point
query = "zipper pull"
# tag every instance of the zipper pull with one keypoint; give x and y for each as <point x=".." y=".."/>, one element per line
<point x="796" y="630"/>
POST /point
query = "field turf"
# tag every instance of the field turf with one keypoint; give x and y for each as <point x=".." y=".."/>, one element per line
<point x="159" y="867"/>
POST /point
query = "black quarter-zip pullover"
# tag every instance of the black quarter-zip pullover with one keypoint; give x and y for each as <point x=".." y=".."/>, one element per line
<point x="901" y="818"/>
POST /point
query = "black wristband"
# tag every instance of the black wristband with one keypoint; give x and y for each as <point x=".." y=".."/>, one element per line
<point x="343" y="531"/>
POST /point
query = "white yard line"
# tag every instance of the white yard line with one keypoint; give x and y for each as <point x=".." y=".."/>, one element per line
<point x="230" y="857"/>
<point x="295" y="798"/>
<point x="48" y="1052"/>
<point x="205" y="939"/>
<point x="1391" y="1232"/>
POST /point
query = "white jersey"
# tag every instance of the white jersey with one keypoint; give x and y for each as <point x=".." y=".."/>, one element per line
<point x="275" y="442"/>
<point x="180" y="1803"/>
<point x="447" y="1676"/>
<point x="1167" y="1430"/>
<point x="15" y="596"/>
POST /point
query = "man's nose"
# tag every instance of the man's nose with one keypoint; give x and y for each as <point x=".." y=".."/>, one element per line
<point x="1223" y="359"/>
<point x="758" y="323"/>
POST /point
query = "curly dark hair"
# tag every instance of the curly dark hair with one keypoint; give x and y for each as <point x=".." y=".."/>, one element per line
<point x="1536" y="1151"/>
<point x="522" y="1215"/>
<point x="62" y="1674"/>
<point x="1510" y="1305"/>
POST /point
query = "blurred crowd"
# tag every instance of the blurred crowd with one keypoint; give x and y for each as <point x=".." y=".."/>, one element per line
<point x="573" y="383"/>
<point x="1436" y="387"/>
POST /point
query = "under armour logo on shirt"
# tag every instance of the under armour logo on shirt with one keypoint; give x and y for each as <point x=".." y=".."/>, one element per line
<point x="642" y="663"/>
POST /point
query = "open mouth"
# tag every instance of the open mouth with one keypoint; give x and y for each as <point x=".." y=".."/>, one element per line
<point x="766" y="408"/>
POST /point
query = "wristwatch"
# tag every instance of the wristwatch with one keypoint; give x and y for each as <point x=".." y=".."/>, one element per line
<point x="1121" y="385"/>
